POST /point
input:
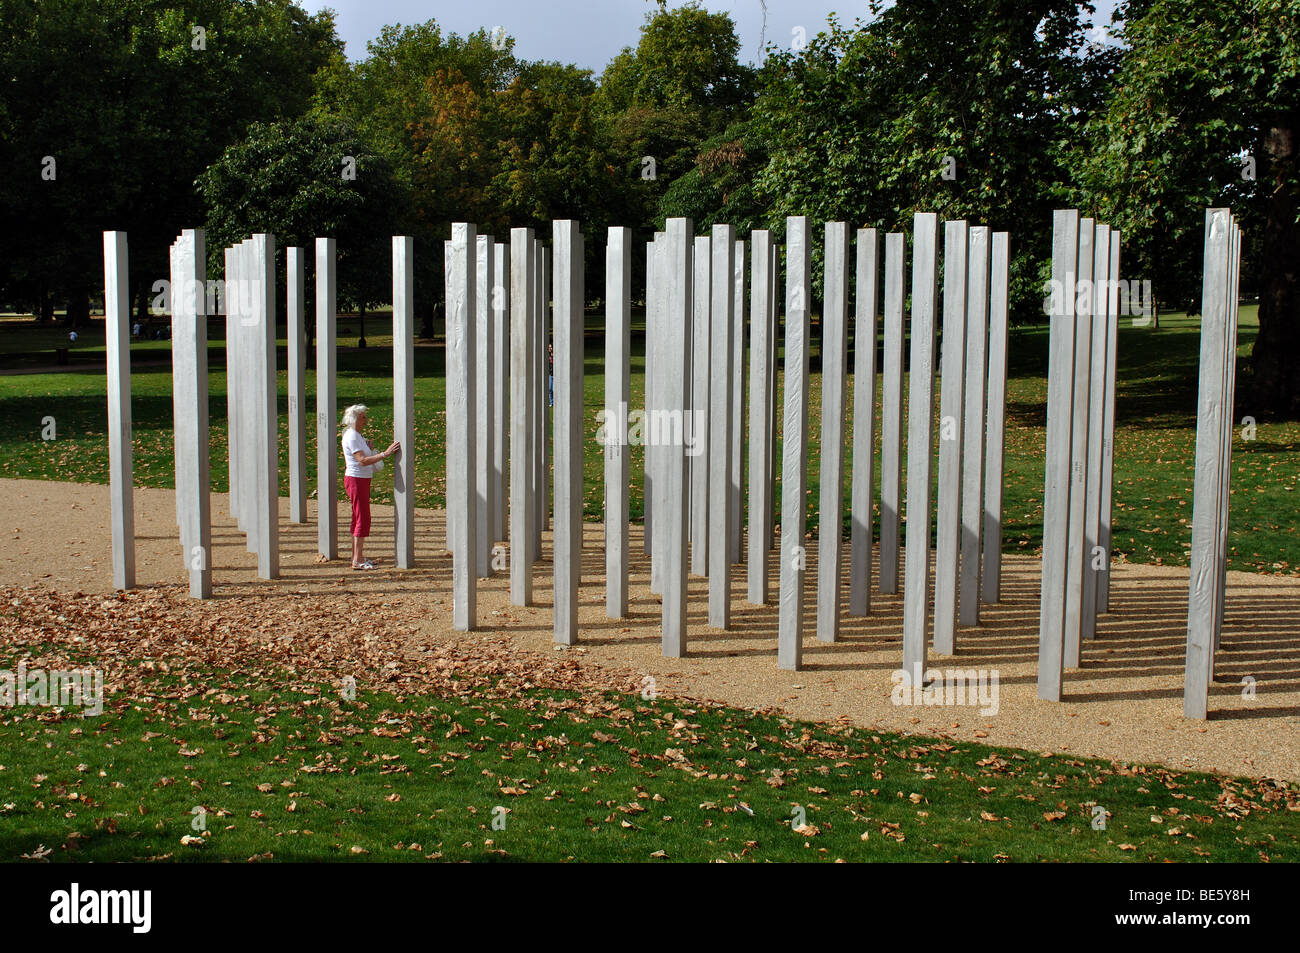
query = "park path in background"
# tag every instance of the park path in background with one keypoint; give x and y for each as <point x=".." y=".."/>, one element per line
<point x="1125" y="703"/>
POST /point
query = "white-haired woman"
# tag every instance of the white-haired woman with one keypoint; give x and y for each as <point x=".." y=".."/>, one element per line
<point x="362" y="462"/>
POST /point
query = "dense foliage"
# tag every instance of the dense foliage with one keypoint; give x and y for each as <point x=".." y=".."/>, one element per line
<point x="110" y="111"/>
<point x="995" y="112"/>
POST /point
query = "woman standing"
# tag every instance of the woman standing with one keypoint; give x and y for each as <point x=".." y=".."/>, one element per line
<point x="361" y="465"/>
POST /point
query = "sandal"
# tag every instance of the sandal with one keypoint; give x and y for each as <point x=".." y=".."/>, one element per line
<point x="365" y="564"/>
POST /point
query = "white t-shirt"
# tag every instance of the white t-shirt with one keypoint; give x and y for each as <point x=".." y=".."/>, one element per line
<point x="352" y="442"/>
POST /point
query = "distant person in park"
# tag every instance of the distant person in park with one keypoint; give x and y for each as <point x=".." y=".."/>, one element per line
<point x="362" y="462"/>
<point x="550" y="375"/>
<point x="72" y="336"/>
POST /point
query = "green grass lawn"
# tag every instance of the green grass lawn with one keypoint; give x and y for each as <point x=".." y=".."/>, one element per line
<point x="287" y="770"/>
<point x="286" y="774"/>
<point x="1154" y="443"/>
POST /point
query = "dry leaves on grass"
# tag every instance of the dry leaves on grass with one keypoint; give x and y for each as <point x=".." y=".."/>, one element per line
<point x="134" y="636"/>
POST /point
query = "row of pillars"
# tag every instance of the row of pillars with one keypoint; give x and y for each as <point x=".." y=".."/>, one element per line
<point x="700" y="333"/>
<point x="497" y="374"/>
<point x="971" y="429"/>
<point x="253" y="445"/>
<point x="972" y="372"/>
<point x="1080" y="434"/>
<point x="254" y="451"/>
<point x="698" y="339"/>
<point x="251" y="403"/>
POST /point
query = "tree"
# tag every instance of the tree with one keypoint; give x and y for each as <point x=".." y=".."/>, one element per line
<point x="455" y="154"/>
<point x="1205" y="111"/>
<point x="927" y="109"/>
<point x="681" y="86"/>
<point x="477" y="135"/>
<point x="413" y="80"/>
<point x="524" y="156"/>
<point x="556" y="158"/>
<point x="386" y="94"/>
<point x="302" y="179"/>
<point x="131" y="100"/>
<point x="720" y="188"/>
<point x="686" y="59"/>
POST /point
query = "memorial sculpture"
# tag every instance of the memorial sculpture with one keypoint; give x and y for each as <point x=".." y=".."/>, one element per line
<point x="712" y="331"/>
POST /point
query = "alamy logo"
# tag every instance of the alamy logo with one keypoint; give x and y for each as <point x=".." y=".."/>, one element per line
<point x="962" y="687"/>
<point x="651" y="428"/>
<point x="79" y="688"/>
<point x="1125" y="298"/>
<point x="74" y="905"/>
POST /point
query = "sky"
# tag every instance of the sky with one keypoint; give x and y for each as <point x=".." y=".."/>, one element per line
<point x="590" y="33"/>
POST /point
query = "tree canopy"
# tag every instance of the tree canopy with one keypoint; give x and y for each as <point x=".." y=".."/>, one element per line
<point x="113" y="108"/>
<point x="1204" y="110"/>
<point x="301" y="179"/>
<point x="151" y="115"/>
<point x="930" y="108"/>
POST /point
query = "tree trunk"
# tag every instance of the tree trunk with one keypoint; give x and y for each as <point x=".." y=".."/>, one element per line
<point x="1154" y="303"/>
<point x="79" y="308"/>
<point x="361" y="316"/>
<point x="142" y="301"/>
<point x="1276" y="355"/>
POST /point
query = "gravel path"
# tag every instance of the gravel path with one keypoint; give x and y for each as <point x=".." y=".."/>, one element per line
<point x="1124" y="703"/>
